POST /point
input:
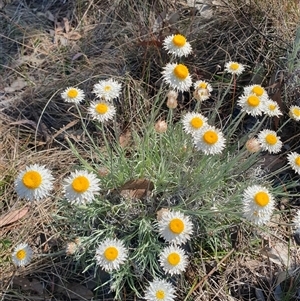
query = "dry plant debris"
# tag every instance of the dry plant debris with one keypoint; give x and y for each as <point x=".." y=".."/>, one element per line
<point x="47" y="46"/>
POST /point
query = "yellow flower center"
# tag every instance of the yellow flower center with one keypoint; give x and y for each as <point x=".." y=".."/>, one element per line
<point x="202" y="85"/>
<point x="271" y="139"/>
<point x="160" y="294"/>
<point x="179" y="40"/>
<point x="262" y="199"/>
<point x="21" y="254"/>
<point x="101" y="108"/>
<point x="253" y="101"/>
<point x="181" y="71"/>
<point x="210" y="137"/>
<point x="107" y="88"/>
<point x="272" y="107"/>
<point x="32" y="179"/>
<point x="80" y="184"/>
<point x="234" y="66"/>
<point x="173" y="258"/>
<point x="72" y="93"/>
<point x="111" y="253"/>
<point x="258" y="90"/>
<point x="296" y="112"/>
<point x="176" y="225"/>
<point x="196" y="122"/>
<point x="297" y="161"/>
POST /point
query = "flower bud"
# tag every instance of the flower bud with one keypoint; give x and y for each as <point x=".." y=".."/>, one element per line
<point x="253" y="145"/>
<point x="161" y="126"/>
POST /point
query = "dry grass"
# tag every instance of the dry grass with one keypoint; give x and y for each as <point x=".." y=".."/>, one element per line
<point x="48" y="45"/>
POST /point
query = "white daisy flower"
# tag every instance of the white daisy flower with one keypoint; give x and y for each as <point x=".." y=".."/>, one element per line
<point x="160" y="290"/>
<point x="22" y="254"/>
<point x="209" y="140"/>
<point x="193" y="122"/>
<point x="269" y="141"/>
<point x="234" y="68"/>
<point x="73" y="95"/>
<point x="173" y="260"/>
<point x="175" y="227"/>
<point x="111" y="254"/>
<point x="257" y="90"/>
<point x="296" y="221"/>
<point x="177" y="76"/>
<point x="294" y="112"/>
<point x="251" y="104"/>
<point x="81" y="187"/>
<point x="107" y="89"/>
<point x="34" y="183"/>
<point x="102" y="111"/>
<point x="177" y="45"/>
<point x="258" y="204"/>
<point x="294" y="161"/>
<point x="271" y="108"/>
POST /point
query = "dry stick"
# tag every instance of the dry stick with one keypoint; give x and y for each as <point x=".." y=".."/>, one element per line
<point x="209" y="274"/>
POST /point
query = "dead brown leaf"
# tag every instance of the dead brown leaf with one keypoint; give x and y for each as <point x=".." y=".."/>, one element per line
<point x="12" y="216"/>
<point x="16" y="85"/>
<point x="72" y="35"/>
<point x="137" y="189"/>
<point x="277" y="253"/>
<point x="125" y="139"/>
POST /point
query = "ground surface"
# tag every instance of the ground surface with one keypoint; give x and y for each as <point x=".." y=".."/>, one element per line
<point x="48" y="45"/>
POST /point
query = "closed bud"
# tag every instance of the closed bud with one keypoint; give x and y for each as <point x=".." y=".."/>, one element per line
<point x="253" y="145"/>
<point x="161" y="126"/>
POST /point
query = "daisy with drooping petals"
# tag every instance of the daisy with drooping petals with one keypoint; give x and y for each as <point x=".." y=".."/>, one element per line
<point x="73" y="95"/>
<point x="173" y="260"/>
<point x="34" y="183"/>
<point x="201" y="84"/>
<point x="209" y="140"/>
<point x="294" y="161"/>
<point x="257" y="90"/>
<point x="295" y="113"/>
<point x="111" y="254"/>
<point x="22" y="254"/>
<point x="107" y="89"/>
<point x="271" y="108"/>
<point x="234" y="68"/>
<point x="177" y="45"/>
<point x="202" y="90"/>
<point x="177" y="76"/>
<point x="269" y="141"/>
<point x="160" y="290"/>
<point x="81" y="187"/>
<point x="193" y="122"/>
<point x="175" y="227"/>
<point x="201" y="94"/>
<point x="102" y="111"/>
<point x="258" y="204"/>
<point x="251" y="104"/>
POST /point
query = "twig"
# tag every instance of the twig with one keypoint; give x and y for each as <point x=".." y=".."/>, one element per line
<point x="209" y="274"/>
